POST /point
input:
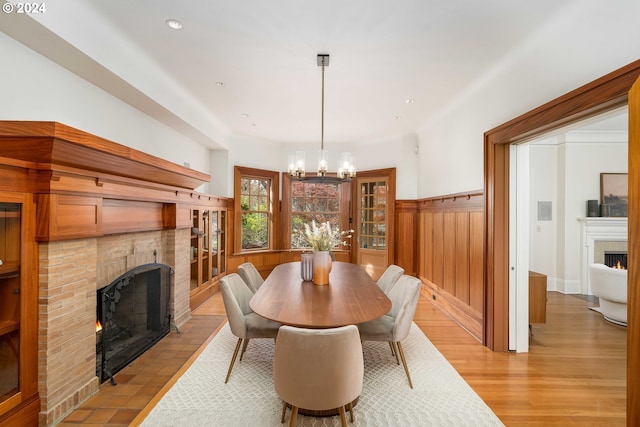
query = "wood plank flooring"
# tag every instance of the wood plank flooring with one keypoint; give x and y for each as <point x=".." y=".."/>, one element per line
<point x="573" y="375"/>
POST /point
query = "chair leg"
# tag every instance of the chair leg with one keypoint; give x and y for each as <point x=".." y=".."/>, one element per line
<point x="394" y="350"/>
<point x="284" y="411"/>
<point x="404" y="362"/>
<point x="343" y="417"/>
<point x="350" y="406"/>
<point x="233" y="359"/>
<point x="244" y="348"/>
<point x="294" y="414"/>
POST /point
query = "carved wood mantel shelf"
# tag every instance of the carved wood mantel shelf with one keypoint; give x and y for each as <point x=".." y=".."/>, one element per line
<point x="87" y="186"/>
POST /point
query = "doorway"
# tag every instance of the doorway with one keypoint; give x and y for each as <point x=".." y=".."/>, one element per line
<point x="611" y="91"/>
<point x="551" y="179"/>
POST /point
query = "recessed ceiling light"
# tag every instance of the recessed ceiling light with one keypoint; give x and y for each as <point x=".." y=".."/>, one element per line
<point x="244" y="115"/>
<point x="176" y="25"/>
<point x="410" y="101"/>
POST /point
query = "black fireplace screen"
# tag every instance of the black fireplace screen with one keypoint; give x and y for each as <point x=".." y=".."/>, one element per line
<point x="132" y="315"/>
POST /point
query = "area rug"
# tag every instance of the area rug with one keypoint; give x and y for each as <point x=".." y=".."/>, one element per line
<point x="440" y="396"/>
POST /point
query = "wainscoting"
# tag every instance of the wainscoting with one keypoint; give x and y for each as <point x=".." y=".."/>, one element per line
<point x="450" y="256"/>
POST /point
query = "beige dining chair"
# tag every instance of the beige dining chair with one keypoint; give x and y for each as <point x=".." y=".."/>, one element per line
<point x="394" y="326"/>
<point x="251" y="276"/>
<point x="390" y="277"/>
<point x="318" y="369"/>
<point x="244" y="323"/>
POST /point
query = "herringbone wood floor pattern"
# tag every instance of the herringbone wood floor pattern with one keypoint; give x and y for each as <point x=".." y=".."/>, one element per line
<point x="574" y="373"/>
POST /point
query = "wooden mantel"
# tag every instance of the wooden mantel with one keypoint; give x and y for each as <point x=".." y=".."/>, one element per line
<point x="56" y="146"/>
<point x="87" y="186"/>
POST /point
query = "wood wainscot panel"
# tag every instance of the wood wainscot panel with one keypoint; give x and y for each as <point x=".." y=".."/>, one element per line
<point x="124" y="216"/>
<point x="461" y="263"/>
<point x="476" y="260"/>
<point x="406" y="238"/>
<point x="451" y="255"/>
<point x="449" y="249"/>
<point x="62" y="217"/>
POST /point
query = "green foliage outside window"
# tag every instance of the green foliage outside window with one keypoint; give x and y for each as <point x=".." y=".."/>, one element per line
<point x="313" y="201"/>
<point x="255" y="205"/>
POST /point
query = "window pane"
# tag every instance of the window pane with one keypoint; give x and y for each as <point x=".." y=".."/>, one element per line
<point x="313" y="201"/>
<point x="255" y="205"/>
<point x="255" y="230"/>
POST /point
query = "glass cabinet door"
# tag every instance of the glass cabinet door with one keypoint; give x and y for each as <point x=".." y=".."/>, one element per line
<point x="205" y="244"/>
<point x="200" y="249"/>
<point x="218" y="243"/>
<point x="10" y="216"/>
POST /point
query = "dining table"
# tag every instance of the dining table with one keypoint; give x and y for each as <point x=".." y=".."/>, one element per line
<point x="351" y="297"/>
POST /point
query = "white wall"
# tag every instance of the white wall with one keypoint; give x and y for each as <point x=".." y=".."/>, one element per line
<point x="35" y="88"/>
<point x="568" y="174"/>
<point x="590" y="39"/>
<point x="543" y="186"/>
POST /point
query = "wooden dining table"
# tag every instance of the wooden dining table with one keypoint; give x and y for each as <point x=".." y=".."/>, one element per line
<point x="351" y="297"/>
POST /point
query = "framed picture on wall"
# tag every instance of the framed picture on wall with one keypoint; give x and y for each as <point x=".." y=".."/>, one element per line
<point x="614" y="194"/>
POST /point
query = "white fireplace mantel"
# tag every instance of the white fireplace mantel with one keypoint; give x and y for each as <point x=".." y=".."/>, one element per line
<point x="598" y="229"/>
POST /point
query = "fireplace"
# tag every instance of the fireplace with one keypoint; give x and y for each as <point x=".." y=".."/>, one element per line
<point x="615" y="259"/>
<point x="132" y="314"/>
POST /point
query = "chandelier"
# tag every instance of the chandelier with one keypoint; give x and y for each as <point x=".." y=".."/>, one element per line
<point x="346" y="169"/>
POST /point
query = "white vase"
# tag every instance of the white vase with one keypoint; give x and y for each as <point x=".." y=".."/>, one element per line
<point x="306" y="266"/>
<point x="321" y="267"/>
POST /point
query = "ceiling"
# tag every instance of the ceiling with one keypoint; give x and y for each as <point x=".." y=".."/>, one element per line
<point x="247" y="68"/>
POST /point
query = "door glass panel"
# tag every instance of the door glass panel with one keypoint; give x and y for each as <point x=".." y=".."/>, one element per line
<point x="373" y="219"/>
<point x="9" y="299"/>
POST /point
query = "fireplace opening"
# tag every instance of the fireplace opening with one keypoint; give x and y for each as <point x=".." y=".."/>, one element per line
<point x="132" y="314"/>
<point x="615" y="259"/>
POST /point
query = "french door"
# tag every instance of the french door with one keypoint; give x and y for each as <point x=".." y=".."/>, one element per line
<point x="375" y="196"/>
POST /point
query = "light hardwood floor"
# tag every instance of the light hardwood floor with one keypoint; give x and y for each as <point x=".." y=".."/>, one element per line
<point x="573" y="375"/>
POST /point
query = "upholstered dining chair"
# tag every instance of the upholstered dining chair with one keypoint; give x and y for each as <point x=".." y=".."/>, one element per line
<point x="318" y="369"/>
<point x="251" y="276"/>
<point x="394" y="326"/>
<point x="244" y="323"/>
<point x="390" y="277"/>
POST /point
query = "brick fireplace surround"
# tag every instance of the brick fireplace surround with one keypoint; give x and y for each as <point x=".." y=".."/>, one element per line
<point x="101" y="209"/>
<point x="70" y="273"/>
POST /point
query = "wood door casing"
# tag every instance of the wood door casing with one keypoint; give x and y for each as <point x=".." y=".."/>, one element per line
<point x="633" y="295"/>
<point x="606" y="93"/>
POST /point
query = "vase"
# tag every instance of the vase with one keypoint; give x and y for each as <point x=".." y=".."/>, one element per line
<point x="321" y="267"/>
<point x="306" y="266"/>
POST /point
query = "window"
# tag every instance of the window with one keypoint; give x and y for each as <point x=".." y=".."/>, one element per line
<point x="255" y="195"/>
<point x="306" y="201"/>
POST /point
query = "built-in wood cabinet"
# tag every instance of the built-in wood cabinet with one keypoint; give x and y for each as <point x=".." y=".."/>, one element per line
<point x="208" y="255"/>
<point x="19" y="403"/>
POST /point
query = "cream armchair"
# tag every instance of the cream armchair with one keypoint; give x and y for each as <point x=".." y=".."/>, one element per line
<point x="610" y="286"/>
<point x="318" y="369"/>
<point x="244" y="323"/>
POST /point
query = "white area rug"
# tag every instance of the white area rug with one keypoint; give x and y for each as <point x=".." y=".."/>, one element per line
<point x="440" y="396"/>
